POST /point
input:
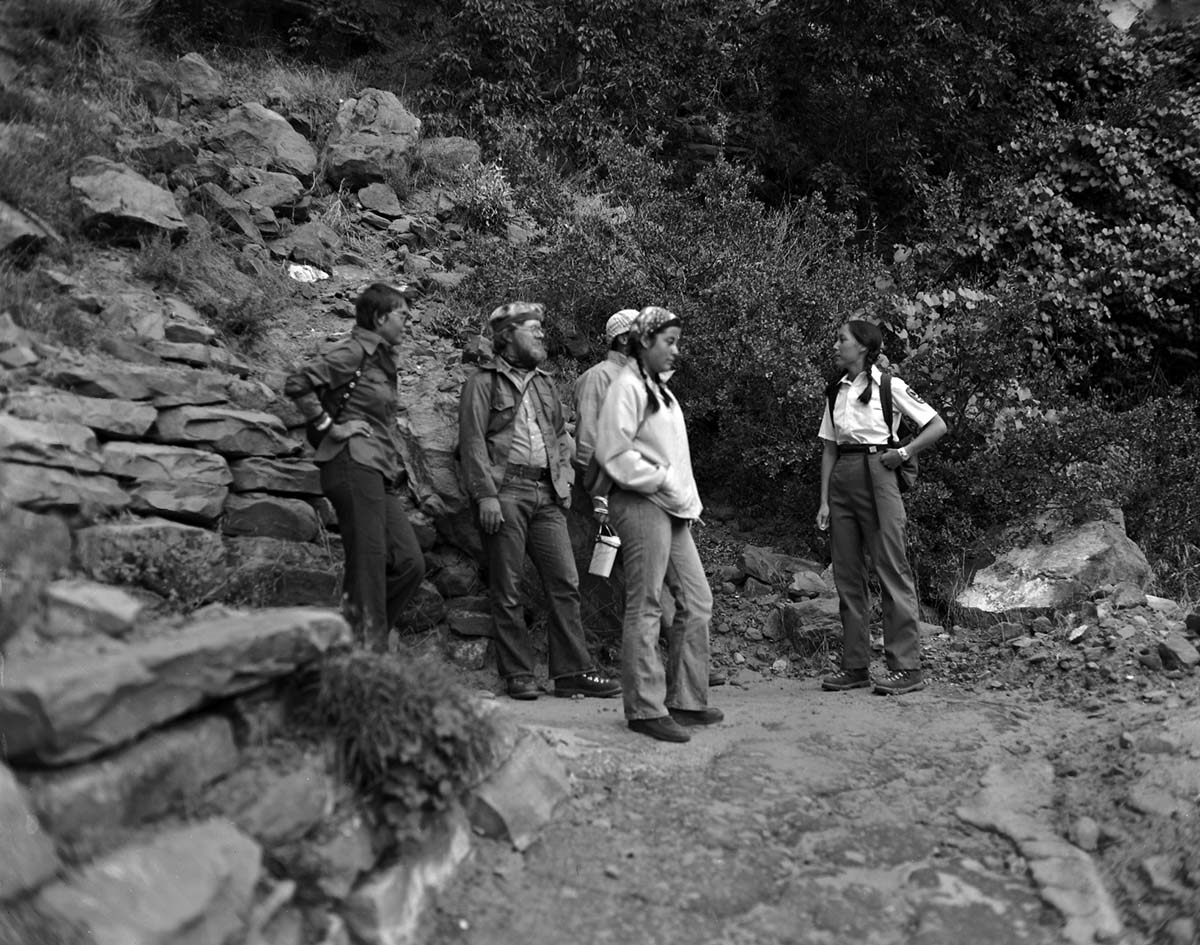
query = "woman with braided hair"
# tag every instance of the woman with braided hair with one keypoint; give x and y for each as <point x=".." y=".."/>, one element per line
<point x="862" y="508"/>
<point x="642" y="447"/>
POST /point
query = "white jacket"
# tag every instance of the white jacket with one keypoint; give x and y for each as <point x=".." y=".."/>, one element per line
<point x="647" y="452"/>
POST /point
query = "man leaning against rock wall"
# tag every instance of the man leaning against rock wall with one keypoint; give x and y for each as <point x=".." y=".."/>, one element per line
<point x="516" y="463"/>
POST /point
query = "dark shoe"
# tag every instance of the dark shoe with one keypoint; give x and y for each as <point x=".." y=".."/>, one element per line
<point x="522" y="687"/>
<point x="665" y="729"/>
<point x="847" y="679"/>
<point x="596" y="685"/>
<point x="899" y="682"/>
<point x="705" y="716"/>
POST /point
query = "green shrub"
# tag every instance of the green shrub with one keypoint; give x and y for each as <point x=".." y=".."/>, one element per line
<point x="484" y="198"/>
<point x="409" y="736"/>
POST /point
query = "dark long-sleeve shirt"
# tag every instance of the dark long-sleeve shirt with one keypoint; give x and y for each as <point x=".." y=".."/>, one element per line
<point x="373" y="399"/>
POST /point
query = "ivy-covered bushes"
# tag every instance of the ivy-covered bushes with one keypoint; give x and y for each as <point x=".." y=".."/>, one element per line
<point x="760" y="291"/>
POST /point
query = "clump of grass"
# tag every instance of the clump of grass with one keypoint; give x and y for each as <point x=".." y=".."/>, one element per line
<point x="48" y="137"/>
<point x="83" y="27"/>
<point x="309" y="92"/>
<point x="409" y="736"/>
<point x="204" y="273"/>
<point x="37" y="307"/>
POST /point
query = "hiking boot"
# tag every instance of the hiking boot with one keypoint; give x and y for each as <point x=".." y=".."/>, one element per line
<point x="705" y="716"/>
<point x="847" y="679"/>
<point x="900" y="681"/>
<point x="665" y="729"/>
<point x="592" y="684"/>
<point x="522" y="687"/>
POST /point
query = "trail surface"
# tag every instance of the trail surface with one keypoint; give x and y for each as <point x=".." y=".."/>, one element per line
<point x="806" y="817"/>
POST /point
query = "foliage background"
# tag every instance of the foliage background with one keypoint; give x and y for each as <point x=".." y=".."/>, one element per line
<point x="1011" y="187"/>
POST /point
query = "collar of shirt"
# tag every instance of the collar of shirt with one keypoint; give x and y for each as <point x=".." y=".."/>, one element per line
<point x="367" y="338"/>
<point x="521" y="378"/>
<point x="616" y="357"/>
<point x="858" y="383"/>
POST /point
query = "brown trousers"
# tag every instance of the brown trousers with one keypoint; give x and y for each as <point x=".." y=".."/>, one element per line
<point x="866" y="515"/>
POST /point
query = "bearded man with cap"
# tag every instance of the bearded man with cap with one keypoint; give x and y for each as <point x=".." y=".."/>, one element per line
<point x="516" y="463"/>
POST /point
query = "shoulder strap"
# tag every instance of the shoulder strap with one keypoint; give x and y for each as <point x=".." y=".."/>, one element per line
<point x="831" y="393"/>
<point x="346" y="390"/>
<point x="885" y="401"/>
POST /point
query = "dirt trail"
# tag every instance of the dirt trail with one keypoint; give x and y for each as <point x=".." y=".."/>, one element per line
<point x="807" y="817"/>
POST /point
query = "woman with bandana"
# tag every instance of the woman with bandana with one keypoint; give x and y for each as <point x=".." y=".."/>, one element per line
<point x="642" y="447"/>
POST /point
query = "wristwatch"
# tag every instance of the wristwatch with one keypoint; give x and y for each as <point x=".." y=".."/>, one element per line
<point x="903" y="451"/>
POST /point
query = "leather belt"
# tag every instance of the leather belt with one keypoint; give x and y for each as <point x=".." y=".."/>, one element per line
<point x="861" y="448"/>
<point x="533" y="473"/>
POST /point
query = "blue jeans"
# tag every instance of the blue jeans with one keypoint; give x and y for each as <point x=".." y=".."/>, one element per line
<point x="658" y="547"/>
<point x="384" y="566"/>
<point x="534" y="524"/>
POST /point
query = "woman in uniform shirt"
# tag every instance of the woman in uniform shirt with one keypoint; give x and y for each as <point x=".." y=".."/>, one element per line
<point x="348" y="394"/>
<point x="862" y="508"/>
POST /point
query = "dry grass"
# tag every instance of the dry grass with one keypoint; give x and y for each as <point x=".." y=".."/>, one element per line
<point x="204" y="272"/>
<point x="37" y="307"/>
<point x="307" y="91"/>
<point x="46" y="138"/>
<point x="83" y="28"/>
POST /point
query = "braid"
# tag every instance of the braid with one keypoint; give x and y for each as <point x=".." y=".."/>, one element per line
<point x="870" y="337"/>
<point x="868" y="363"/>
<point x="651" y="400"/>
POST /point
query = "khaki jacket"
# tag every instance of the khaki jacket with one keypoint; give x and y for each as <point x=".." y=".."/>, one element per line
<point x="487" y="412"/>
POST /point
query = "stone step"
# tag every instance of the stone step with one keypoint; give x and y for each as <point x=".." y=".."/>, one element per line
<point x="62" y="708"/>
<point x="84" y="803"/>
<point x="195" y="884"/>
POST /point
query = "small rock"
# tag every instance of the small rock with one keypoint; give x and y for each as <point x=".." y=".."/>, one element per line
<point x="1085" y="833"/>
<point x="1181" y="931"/>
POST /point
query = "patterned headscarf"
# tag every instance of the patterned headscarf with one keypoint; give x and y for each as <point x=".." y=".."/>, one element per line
<point x="652" y="319"/>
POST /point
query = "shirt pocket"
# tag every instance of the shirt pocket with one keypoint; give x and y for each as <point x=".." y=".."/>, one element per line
<point x="504" y="404"/>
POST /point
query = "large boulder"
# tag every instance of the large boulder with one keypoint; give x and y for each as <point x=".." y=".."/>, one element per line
<point x="135" y="784"/>
<point x="65" y="707"/>
<point x="1044" y="577"/>
<point x="51" y="489"/>
<point x="312" y="244"/>
<point x="111" y="417"/>
<point x="234" y="433"/>
<point x="271" y="189"/>
<point x="258" y="137"/>
<point x="199" y="83"/>
<point x="163" y="386"/>
<point x="117" y="201"/>
<point x="173" y="481"/>
<point x="258" y="515"/>
<point x="63" y="444"/>
<point x="373" y="139"/>
<point x="194" y="884"/>
<point x="162" y="556"/>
